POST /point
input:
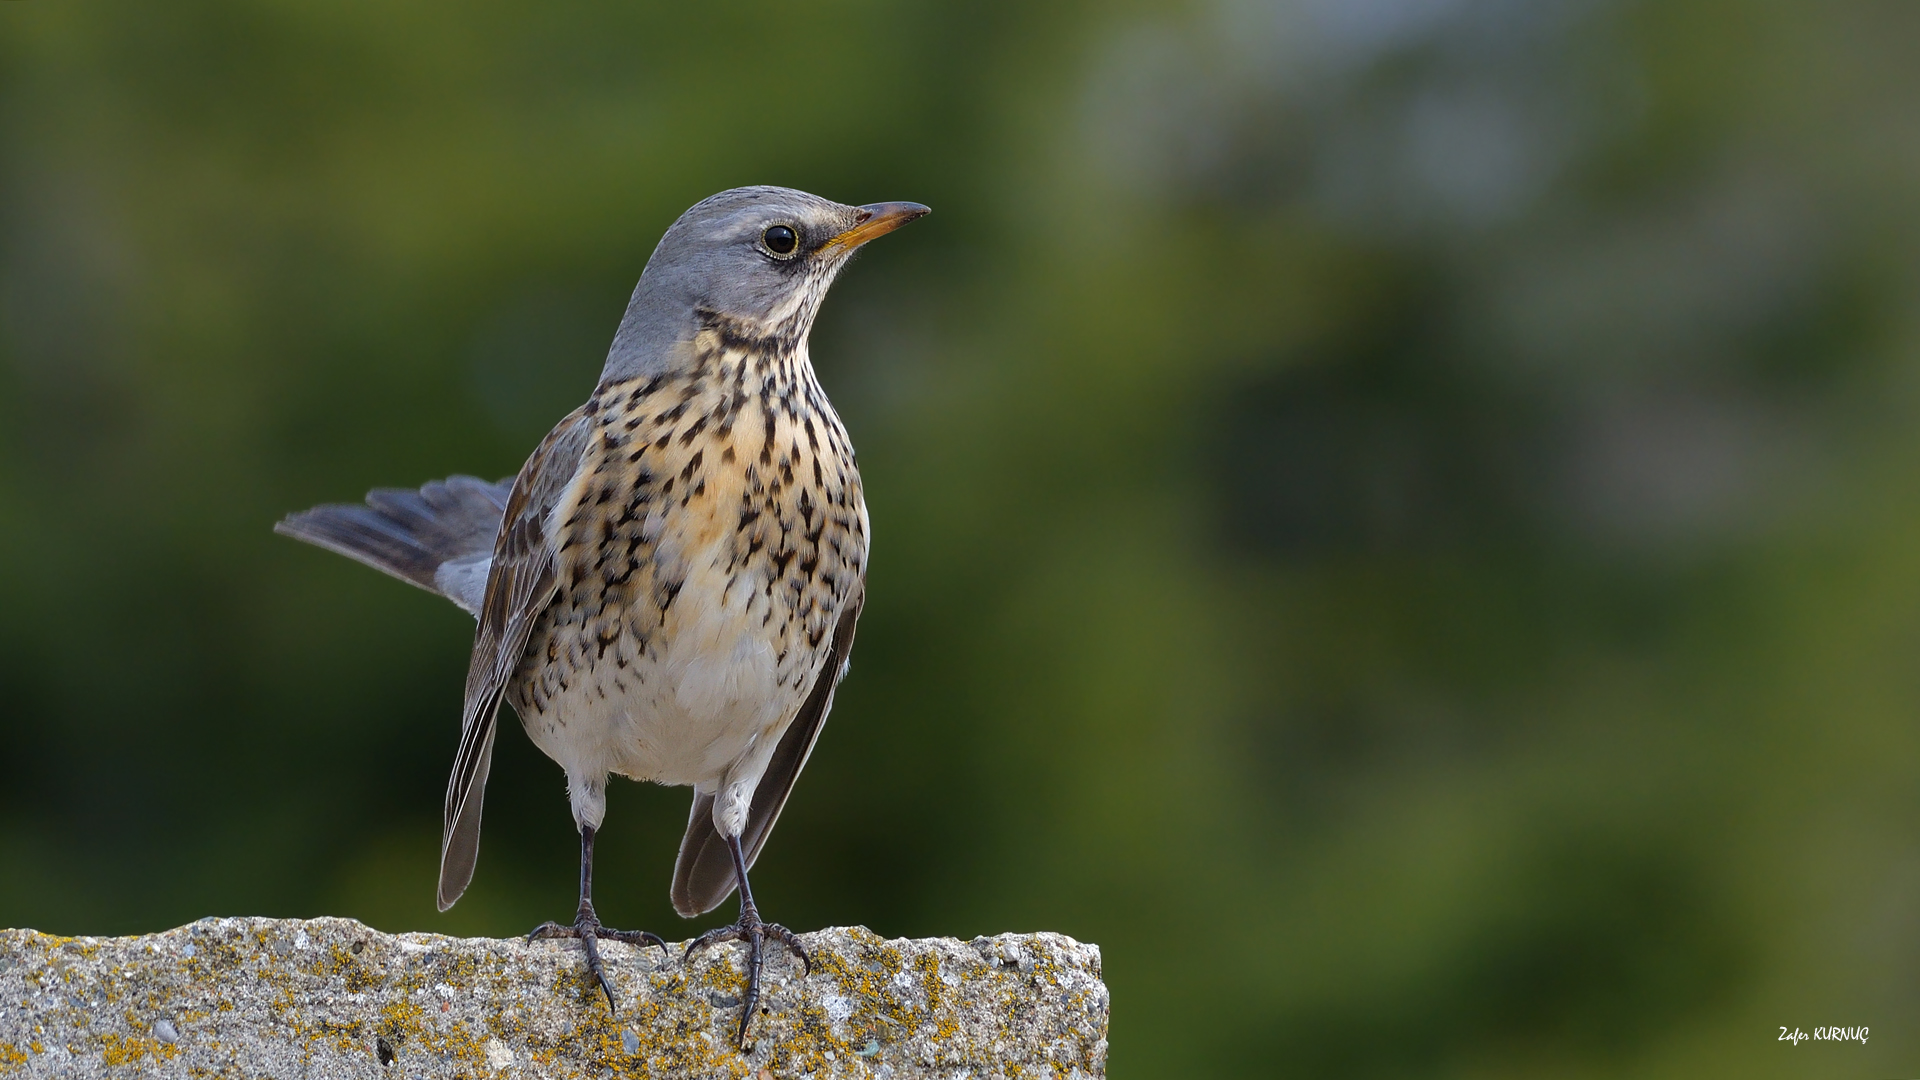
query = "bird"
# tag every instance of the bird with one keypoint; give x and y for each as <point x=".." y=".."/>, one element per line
<point x="668" y="589"/>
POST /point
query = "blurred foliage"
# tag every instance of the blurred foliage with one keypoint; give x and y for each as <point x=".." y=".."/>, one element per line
<point x="1396" y="518"/>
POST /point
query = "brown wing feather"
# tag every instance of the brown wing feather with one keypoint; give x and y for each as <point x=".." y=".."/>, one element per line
<point x="703" y="874"/>
<point x="520" y="584"/>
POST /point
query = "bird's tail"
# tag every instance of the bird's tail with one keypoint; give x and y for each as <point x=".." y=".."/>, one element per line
<point x="439" y="537"/>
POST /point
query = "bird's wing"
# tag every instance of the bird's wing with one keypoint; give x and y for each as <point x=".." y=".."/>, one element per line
<point x="703" y="874"/>
<point x="521" y="582"/>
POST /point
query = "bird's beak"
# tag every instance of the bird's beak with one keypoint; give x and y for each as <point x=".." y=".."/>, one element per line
<point x="877" y="219"/>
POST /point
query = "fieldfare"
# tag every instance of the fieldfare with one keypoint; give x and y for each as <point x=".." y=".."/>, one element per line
<point x="668" y="589"/>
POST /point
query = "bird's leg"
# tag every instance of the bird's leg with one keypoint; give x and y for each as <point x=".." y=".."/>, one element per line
<point x="752" y="930"/>
<point x="586" y="925"/>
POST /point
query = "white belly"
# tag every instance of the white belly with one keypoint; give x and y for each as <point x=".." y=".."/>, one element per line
<point x="709" y="689"/>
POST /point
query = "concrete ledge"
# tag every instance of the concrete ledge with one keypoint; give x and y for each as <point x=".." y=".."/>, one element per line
<point x="330" y="998"/>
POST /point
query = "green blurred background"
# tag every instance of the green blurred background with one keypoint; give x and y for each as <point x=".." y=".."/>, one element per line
<point x="1399" y="519"/>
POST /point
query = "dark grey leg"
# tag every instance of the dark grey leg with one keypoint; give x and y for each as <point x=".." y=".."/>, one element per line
<point x="586" y="925"/>
<point x="752" y="930"/>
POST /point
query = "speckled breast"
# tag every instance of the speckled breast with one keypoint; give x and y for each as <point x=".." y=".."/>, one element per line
<point x="706" y="548"/>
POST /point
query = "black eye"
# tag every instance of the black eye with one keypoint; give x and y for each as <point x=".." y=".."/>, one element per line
<point x="780" y="240"/>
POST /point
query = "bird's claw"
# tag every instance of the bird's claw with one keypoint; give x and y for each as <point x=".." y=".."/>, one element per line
<point x="753" y="931"/>
<point x="586" y="927"/>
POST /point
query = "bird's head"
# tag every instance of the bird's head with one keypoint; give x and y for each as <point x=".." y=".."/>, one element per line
<point x="759" y="258"/>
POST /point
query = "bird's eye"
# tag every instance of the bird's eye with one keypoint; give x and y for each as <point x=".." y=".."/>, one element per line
<point x="780" y="240"/>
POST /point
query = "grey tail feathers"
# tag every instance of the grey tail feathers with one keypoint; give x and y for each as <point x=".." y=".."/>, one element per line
<point x="440" y="537"/>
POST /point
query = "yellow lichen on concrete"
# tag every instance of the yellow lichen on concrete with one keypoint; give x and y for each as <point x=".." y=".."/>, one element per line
<point x="118" y="1049"/>
<point x="332" y="997"/>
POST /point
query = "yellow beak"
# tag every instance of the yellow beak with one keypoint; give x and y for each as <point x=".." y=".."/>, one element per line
<point x="876" y="220"/>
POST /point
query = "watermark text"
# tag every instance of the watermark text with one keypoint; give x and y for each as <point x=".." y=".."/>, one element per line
<point x="1825" y="1034"/>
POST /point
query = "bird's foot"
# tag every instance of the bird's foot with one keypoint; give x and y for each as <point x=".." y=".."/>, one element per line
<point x="586" y="926"/>
<point x="752" y="930"/>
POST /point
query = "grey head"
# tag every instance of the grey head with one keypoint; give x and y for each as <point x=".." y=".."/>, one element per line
<point x="758" y="258"/>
